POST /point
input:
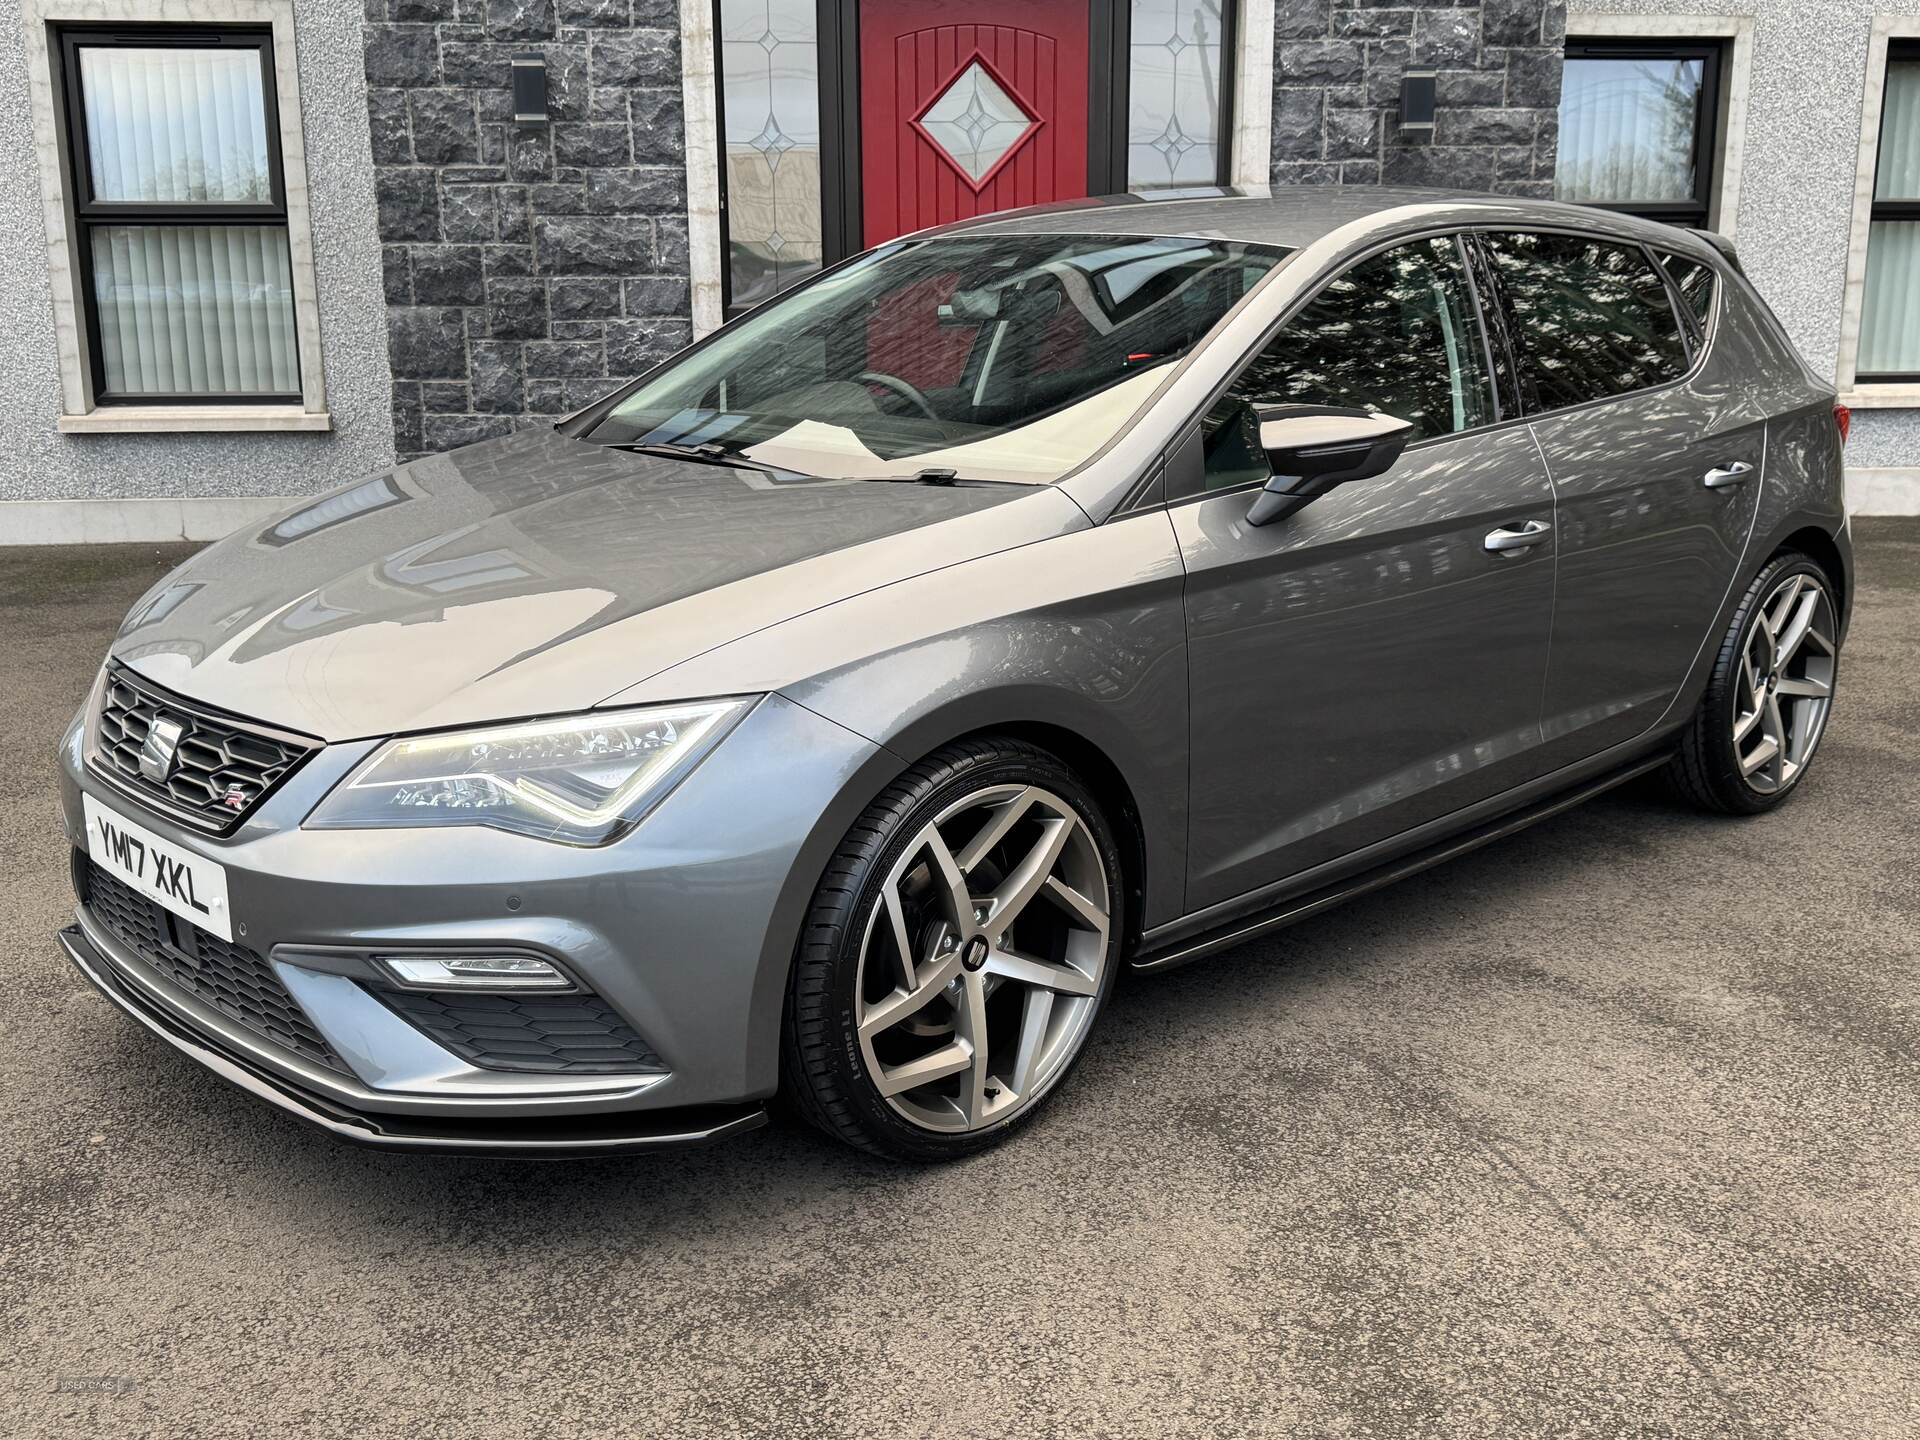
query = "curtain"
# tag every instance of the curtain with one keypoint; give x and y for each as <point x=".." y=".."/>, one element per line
<point x="175" y="125"/>
<point x="1627" y="130"/>
<point x="185" y="309"/>
<point x="195" y="309"/>
<point x="1890" y="320"/>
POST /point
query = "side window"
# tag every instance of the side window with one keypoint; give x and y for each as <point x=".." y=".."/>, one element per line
<point x="1590" y="318"/>
<point x="1694" y="280"/>
<point x="1396" y="333"/>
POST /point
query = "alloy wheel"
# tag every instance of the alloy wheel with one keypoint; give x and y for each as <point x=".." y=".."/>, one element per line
<point x="1784" y="688"/>
<point x="983" y="959"/>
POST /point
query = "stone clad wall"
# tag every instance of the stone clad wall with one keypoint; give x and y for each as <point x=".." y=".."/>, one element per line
<point x="1337" y="73"/>
<point x="528" y="269"/>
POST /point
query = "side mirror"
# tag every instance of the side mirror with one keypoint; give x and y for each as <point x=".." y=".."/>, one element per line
<point x="1313" y="448"/>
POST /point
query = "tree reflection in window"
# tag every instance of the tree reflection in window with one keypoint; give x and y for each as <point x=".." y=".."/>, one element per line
<point x="1591" y="318"/>
<point x="1396" y="334"/>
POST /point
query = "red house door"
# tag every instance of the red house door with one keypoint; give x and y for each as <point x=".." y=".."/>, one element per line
<point x="961" y="119"/>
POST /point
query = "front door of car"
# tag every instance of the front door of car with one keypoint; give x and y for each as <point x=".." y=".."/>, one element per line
<point x="1656" y="473"/>
<point x="1368" y="663"/>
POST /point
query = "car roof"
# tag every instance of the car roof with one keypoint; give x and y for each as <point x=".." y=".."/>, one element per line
<point x="1297" y="215"/>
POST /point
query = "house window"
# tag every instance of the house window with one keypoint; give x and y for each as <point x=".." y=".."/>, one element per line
<point x="1890" y="317"/>
<point x="770" y="121"/>
<point x="182" y="253"/>
<point x="1638" y="127"/>
<point x="1179" y="67"/>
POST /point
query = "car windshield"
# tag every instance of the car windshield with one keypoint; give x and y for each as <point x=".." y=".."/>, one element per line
<point x="972" y="357"/>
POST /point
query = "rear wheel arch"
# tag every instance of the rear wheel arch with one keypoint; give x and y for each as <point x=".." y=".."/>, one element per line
<point x="1818" y="546"/>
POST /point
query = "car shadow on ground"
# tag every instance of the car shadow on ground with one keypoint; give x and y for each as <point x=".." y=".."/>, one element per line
<point x="521" y="1206"/>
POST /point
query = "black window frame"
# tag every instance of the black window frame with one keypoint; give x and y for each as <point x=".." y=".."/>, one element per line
<point x="90" y="213"/>
<point x="1878" y="210"/>
<point x="1695" y="213"/>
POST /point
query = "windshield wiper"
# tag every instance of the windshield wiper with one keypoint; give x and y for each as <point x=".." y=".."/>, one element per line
<point x="937" y="475"/>
<point x="709" y="453"/>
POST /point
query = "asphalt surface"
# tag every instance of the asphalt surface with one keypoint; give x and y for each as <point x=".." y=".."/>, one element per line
<point x="1611" y="1129"/>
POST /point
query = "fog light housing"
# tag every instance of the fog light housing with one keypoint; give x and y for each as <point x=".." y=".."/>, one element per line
<point x="475" y="972"/>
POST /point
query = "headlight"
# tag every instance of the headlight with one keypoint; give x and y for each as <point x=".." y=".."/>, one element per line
<point x="584" y="780"/>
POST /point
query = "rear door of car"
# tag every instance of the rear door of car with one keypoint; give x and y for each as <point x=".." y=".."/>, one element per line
<point x="1368" y="663"/>
<point x="1656" y="454"/>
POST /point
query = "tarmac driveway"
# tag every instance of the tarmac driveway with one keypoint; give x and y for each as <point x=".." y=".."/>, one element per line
<point x="1611" y="1129"/>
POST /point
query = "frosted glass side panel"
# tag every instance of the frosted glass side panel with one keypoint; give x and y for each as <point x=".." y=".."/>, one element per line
<point x="770" y="111"/>
<point x="1175" y="132"/>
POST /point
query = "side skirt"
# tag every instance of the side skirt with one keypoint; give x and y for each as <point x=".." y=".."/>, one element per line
<point x="1299" y="907"/>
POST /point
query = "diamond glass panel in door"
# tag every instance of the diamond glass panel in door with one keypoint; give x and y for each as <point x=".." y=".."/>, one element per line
<point x="1890" y="320"/>
<point x="1627" y="130"/>
<point x="770" y="79"/>
<point x="975" y="123"/>
<point x="185" y="307"/>
<point x="1173" y="108"/>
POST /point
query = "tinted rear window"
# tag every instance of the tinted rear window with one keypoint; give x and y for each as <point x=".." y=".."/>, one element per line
<point x="1590" y="318"/>
<point x="1694" y="280"/>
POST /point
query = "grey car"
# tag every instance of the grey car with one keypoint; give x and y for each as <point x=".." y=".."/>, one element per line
<point x="833" y="712"/>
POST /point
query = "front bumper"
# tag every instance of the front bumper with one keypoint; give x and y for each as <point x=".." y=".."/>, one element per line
<point x="685" y="928"/>
<point x="556" y="1137"/>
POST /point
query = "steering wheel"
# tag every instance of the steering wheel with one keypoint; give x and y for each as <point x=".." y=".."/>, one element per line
<point x="905" y="389"/>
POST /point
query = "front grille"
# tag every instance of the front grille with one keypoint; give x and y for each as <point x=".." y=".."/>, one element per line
<point x="225" y="977"/>
<point x="544" y="1034"/>
<point x="222" y="768"/>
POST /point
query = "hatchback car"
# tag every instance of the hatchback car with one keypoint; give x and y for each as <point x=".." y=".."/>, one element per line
<point x="837" y="709"/>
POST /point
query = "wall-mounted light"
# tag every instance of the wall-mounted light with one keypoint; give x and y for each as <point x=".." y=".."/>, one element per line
<point x="1419" y="98"/>
<point x="530" y="89"/>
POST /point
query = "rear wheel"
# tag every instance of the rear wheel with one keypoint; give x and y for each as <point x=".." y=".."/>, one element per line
<point x="1767" y="703"/>
<point x="957" y="953"/>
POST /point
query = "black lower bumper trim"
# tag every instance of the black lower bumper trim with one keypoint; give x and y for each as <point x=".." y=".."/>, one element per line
<point x="547" y="1137"/>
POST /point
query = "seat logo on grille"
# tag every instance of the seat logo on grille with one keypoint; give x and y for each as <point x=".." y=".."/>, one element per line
<point x="160" y="749"/>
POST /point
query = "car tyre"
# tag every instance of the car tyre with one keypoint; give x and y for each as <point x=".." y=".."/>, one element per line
<point x="1771" y="692"/>
<point x="967" y="931"/>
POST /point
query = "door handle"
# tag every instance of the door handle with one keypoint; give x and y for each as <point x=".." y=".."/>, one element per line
<point x="1509" y="541"/>
<point x="1720" y="477"/>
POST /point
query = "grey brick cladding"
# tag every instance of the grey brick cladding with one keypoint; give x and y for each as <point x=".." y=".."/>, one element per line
<point x="1337" y="71"/>
<point x="528" y="270"/>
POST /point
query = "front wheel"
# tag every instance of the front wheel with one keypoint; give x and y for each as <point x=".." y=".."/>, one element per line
<point x="1770" y="694"/>
<point x="959" y="948"/>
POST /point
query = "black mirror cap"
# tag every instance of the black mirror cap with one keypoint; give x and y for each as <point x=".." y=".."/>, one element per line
<point x="1313" y="448"/>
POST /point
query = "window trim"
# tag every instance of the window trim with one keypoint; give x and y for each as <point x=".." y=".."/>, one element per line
<point x="1696" y="353"/>
<point x="1896" y="47"/>
<point x="1185" y="451"/>
<point x="1698" y="211"/>
<point x="1736" y="31"/>
<point x="90" y="214"/>
<point x="80" y="408"/>
<point x="1177" y="487"/>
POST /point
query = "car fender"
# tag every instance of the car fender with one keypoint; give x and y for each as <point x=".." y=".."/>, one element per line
<point x="1083" y="635"/>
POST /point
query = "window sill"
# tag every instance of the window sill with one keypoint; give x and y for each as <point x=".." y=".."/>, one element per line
<point x="1883" y="397"/>
<point x="165" y="419"/>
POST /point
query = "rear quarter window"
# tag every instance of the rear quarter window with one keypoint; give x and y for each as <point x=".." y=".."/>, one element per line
<point x="1694" y="280"/>
<point x="1589" y="318"/>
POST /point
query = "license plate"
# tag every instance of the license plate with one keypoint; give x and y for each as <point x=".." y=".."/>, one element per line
<point x="191" y="886"/>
